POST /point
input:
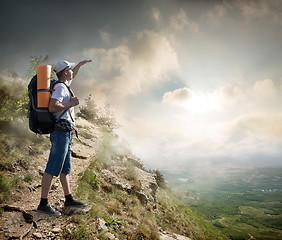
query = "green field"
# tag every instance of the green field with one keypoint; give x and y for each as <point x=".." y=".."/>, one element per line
<point x="243" y="204"/>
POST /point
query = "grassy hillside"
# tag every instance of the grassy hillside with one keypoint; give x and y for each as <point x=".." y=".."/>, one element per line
<point x="115" y="212"/>
<point x="124" y="214"/>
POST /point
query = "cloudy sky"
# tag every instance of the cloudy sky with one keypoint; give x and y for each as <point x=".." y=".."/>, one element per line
<point x="193" y="83"/>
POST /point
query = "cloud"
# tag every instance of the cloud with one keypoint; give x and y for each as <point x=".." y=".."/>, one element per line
<point x="265" y="88"/>
<point x="180" y="21"/>
<point x="257" y="126"/>
<point x="144" y="60"/>
<point x="194" y="102"/>
<point x="252" y="96"/>
<point x="261" y="9"/>
<point x="178" y="96"/>
<point x="231" y="95"/>
<point x="216" y="14"/>
<point x="239" y="96"/>
<point x="105" y="36"/>
<point x="156" y="15"/>
<point x="251" y="138"/>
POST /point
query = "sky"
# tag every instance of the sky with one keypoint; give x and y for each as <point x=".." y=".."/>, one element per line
<point x="193" y="84"/>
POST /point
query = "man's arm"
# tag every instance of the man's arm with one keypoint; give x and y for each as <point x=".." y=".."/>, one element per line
<point x="56" y="106"/>
<point x="77" y="67"/>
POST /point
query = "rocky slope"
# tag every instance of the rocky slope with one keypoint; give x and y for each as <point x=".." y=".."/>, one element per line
<point x="126" y="200"/>
<point x="13" y="224"/>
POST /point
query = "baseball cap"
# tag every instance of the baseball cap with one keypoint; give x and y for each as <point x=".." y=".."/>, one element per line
<point x="61" y="65"/>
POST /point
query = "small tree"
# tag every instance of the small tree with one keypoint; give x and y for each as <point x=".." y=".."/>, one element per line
<point x="107" y="118"/>
<point x="14" y="99"/>
<point x="92" y="113"/>
<point x="33" y="63"/>
<point x="89" y="110"/>
<point x="159" y="178"/>
<point x="13" y="92"/>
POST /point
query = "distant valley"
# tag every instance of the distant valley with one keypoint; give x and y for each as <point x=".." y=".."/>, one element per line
<point x="244" y="204"/>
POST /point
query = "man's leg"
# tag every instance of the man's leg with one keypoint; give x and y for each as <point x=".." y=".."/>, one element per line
<point x="70" y="201"/>
<point x="64" y="178"/>
<point x="44" y="206"/>
<point x="46" y="184"/>
<point x="58" y="152"/>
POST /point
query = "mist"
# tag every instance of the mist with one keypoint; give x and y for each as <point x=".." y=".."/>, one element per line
<point x="193" y="85"/>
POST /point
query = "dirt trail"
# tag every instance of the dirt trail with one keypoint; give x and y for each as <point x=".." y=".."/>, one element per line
<point x="221" y="221"/>
<point x="49" y="227"/>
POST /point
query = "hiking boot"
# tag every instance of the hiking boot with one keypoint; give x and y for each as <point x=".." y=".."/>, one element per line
<point x="75" y="204"/>
<point x="48" y="210"/>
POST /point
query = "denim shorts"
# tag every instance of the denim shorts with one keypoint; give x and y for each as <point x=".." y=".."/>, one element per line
<point x="60" y="153"/>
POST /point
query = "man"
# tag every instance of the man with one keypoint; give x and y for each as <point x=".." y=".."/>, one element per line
<point x="59" y="162"/>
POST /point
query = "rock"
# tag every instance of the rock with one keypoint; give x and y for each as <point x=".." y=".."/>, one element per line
<point x="81" y="151"/>
<point x="78" y="211"/>
<point x="148" y="183"/>
<point x="171" y="236"/>
<point x="164" y="236"/>
<point x="180" y="237"/>
<point x="110" y="236"/>
<point x="14" y="225"/>
<point x="88" y="135"/>
<point x="37" y="235"/>
<point x="136" y="162"/>
<point x="77" y="155"/>
<point x="142" y="197"/>
<point x="102" y="225"/>
<point x="56" y="230"/>
<point x="115" y="180"/>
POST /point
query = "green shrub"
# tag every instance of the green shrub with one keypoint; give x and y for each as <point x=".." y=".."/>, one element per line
<point x="14" y="99"/>
<point x="113" y="222"/>
<point x="6" y="186"/>
<point x="82" y="232"/>
<point x="28" y="178"/>
<point x="159" y="178"/>
<point x="91" y="178"/>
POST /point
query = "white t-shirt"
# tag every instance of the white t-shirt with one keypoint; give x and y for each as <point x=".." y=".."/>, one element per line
<point x="62" y="94"/>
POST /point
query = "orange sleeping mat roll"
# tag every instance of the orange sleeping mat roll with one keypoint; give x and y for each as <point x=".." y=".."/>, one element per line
<point x="43" y="83"/>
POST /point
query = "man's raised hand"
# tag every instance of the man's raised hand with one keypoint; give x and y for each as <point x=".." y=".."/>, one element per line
<point x="84" y="62"/>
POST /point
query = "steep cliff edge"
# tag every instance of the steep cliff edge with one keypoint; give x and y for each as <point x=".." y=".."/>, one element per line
<point x="127" y="200"/>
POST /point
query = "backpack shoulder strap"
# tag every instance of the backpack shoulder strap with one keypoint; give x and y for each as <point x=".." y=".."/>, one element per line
<point x="71" y="93"/>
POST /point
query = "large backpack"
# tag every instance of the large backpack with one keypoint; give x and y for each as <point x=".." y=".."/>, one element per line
<point x="41" y="120"/>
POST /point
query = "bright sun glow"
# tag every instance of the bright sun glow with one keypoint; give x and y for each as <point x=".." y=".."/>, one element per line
<point x="202" y="103"/>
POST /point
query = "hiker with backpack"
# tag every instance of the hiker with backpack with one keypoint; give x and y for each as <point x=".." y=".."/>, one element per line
<point x="62" y="104"/>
